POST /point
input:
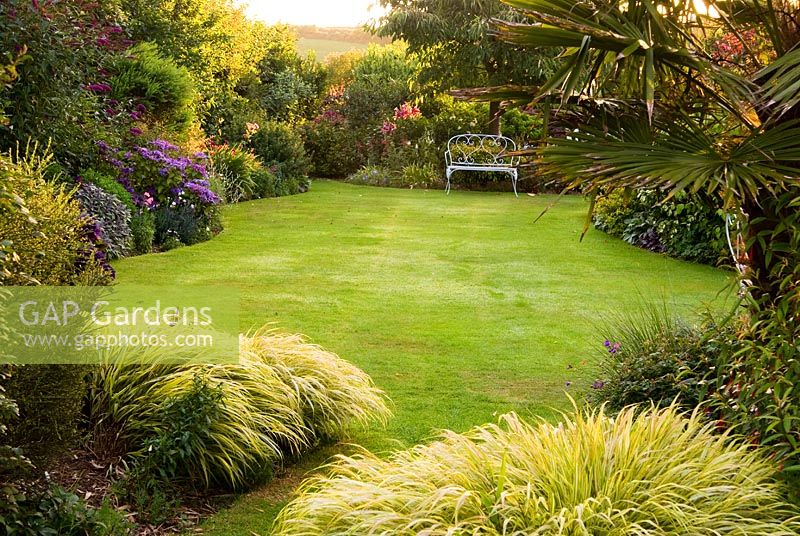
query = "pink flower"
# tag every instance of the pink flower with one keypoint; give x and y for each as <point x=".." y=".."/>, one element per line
<point x="388" y="127"/>
<point x="407" y="111"/>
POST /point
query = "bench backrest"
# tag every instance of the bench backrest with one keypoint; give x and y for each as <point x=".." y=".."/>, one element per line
<point x="481" y="150"/>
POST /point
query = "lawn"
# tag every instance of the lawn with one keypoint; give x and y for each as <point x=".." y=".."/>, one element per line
<point x="460" y="307"/>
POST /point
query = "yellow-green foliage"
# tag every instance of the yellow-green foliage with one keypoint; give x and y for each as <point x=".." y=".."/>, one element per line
<point x="281" y="397"/>
<point x="651" y="472"/>
<point x="332" y="392"/>
<point x="46" y="237"/>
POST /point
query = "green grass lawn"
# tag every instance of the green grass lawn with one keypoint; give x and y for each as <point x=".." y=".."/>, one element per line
<point x="460" y="306"/>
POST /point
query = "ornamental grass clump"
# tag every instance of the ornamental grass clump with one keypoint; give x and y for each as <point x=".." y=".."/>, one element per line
<point x="641" y="472"/>
<point x="282" y="396"/>
<point x="333" y="393"/>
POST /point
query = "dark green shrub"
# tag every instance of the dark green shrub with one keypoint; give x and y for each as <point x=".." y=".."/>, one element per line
<point x="654" y="357"/>
<point x="50" y="400"/>
<point x="335" y="147"/>
<point x="166" y="90"/>
<point x="380" y="84"/>
<point x="684" y="226"/>
<point x="110" y="185"/>
<point x="753" y="388"/>
<point x="287" y="186"/>
<point x="12" y="461"/>
<point x="143" y="230"/>
<point x="172" y="452"/>
<point x="280" y="148"/>
<point x="449" y="117"/>
<point x="228" y="116"/>
<point x="522" y="127"/>
<point x="55" y="511"/>
<point x="265" y="184"/>
<point x="182" y="223"/>
<point x="112" y="216"/>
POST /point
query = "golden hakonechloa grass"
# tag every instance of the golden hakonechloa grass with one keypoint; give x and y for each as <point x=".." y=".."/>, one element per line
<point x="283" y="396"/>
<point x="647" y="473"/>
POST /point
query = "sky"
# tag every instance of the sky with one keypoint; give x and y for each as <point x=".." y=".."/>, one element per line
<point x="313" y="12"/>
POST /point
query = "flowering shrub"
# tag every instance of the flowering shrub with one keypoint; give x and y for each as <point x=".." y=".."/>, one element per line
<point x="388" y="127"/>
<point x="406" y="111"/>
<point x="156" y="173"/>
<point x="654" y="357"/>
<point x="62" y="92"/>
<point x="160" y="178"/>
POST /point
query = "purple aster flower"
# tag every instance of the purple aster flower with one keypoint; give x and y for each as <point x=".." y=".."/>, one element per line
<point x="598" y="384"/>
<point x="201" y="155"/>
<point x="98" y="88"/>
<point x="136" y="131"/>
<point x="103" y="146"/>
<point x="141" y="108"/>
<point x="163" y="145"/>
<point x="199" y="169"/>
<point x="607" y="343"/>
<point x="203" y="194"/>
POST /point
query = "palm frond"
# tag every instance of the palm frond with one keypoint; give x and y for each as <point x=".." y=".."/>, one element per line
<point x="633" y="45"/>
<point x="678" y="156"/>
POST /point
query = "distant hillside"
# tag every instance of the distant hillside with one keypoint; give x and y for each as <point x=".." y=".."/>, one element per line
<point x="350" y="35"/>
<point x="323" y="48"/>
<point x="331" y="41"/>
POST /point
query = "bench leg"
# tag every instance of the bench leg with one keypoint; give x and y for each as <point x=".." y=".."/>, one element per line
<point x="447" y="187"/>
<point x="514" y="181"/>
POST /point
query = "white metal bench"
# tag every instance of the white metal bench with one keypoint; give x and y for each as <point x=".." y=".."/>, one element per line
<point x="481" y="152"/>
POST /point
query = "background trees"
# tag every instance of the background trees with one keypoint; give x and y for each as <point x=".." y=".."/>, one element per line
<point x="456" y="47"/>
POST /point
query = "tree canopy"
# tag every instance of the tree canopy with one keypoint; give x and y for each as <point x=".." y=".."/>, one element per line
<point x="456" y="45"/>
